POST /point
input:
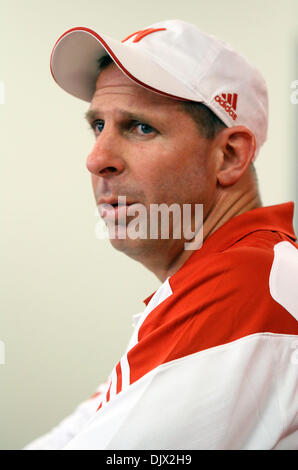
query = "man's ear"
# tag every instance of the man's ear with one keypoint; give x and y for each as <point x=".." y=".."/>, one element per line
<point x="236" y="148"/>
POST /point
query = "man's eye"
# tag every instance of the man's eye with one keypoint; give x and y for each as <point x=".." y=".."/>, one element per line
<point x="144" y="128"/>
<point x="98" y="126"/>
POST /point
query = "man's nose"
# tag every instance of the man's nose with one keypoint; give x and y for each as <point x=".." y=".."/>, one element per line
<point x="105" y="158"/>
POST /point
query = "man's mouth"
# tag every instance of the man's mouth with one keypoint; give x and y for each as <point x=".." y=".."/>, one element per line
<point x="114" y="209"/>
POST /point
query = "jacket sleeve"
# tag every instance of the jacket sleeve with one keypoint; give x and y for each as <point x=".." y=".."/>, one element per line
<point x="240" y="395"/>
<point x="215" y="367"/>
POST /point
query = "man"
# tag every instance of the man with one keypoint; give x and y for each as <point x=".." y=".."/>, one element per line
<point x="179" y="118"/>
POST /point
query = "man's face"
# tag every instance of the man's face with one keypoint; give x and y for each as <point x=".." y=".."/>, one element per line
<point x="149" y="150"/>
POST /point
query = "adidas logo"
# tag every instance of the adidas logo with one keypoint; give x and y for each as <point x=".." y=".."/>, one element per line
<point x="229" y="102"/>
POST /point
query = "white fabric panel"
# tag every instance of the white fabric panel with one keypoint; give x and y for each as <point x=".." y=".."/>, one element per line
<point x="242" y="395"/>
<point x="107" y="422"/>
<point x="283" y="281"/>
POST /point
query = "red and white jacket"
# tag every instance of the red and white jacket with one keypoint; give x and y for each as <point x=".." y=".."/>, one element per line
<point x="213" y="359"/>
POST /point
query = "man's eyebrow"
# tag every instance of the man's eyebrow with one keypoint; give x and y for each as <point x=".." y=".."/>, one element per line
<point x="93" y="114"/>
<point x="90" y="115"/>
<point x="133" y="116"/>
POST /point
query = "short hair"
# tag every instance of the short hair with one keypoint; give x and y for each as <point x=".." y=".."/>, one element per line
<point x="104" y="61"/>
<point x="209" y="125"/>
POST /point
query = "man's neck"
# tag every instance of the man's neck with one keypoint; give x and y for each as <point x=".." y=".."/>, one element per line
<point x="227" y="205"/>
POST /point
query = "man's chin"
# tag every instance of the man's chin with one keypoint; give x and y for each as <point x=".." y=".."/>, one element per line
<point x="136" y="249"/>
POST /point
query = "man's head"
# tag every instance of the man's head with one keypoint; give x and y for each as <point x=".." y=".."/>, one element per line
<point x="149" y="149"/>
<point x="157" y="148"/>
<point x="175" y="59"/>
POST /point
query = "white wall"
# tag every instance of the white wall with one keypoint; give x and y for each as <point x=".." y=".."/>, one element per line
<point x="67" y="298"/>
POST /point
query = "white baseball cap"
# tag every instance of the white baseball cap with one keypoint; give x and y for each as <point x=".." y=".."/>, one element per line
<point x="173" y="58"/>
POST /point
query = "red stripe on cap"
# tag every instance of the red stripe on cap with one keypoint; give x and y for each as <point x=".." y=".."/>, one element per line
<point x="142" y="33"/>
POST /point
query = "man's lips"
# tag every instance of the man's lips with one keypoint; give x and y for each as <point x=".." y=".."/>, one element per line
<point x="114" y="208"/>
<point x="113" y="201"/>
